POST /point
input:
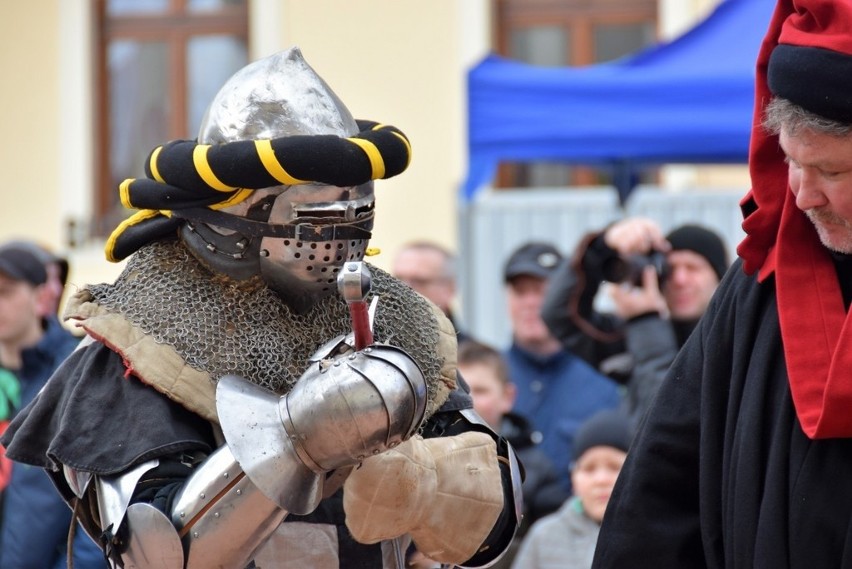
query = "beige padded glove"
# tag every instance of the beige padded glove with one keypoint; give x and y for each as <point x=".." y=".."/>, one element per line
<point x="446" y="493"/>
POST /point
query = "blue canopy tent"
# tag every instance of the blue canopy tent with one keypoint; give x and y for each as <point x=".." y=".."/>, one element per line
<point x="686" y="101"/>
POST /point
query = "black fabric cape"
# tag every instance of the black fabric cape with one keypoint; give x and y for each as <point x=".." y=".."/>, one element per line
<point x="93" y="416"/>
<point x="721" y="474"/>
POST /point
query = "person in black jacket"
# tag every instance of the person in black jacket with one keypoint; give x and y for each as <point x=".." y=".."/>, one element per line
<point x="662" y="285"/>
<point x="745" y="457"/>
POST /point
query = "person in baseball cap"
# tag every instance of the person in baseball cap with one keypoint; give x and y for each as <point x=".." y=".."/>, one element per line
<point x="556" y="390"/>
<point x="57" y="268"/>
<point x="20" y="264"/>
<point x="33" y="344"/>
<point x="536" y="259"/>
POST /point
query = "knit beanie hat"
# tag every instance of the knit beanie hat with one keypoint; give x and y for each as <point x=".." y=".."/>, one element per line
<point x="610" y="428"/>
<point x="703" y="241"/>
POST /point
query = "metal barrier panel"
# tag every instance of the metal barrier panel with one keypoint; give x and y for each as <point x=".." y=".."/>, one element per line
<point x="497" y="222"/>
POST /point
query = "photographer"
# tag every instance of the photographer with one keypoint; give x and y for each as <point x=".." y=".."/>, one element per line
<point x="666" y="284"/>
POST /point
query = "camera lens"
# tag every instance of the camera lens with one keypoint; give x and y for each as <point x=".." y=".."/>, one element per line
<point x="630" y="269"/>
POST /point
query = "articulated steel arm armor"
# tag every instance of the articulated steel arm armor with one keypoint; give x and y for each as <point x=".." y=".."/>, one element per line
<point x="348" y="406"/>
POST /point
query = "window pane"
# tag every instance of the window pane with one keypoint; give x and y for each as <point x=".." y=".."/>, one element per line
<point x="199" y="6"/>
<point x="541" y="45"/>
<point x="615" y="40"/>
<point x="139" y="106"/>
<point x="211" y="60"/>
<point x="545" y="175"/>
<point x="136" y="7"/>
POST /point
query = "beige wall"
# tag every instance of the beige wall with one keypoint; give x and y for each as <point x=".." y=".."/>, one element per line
<point x="29" y="113"/>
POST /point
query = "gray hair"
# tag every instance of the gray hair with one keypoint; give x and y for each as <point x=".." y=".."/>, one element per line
<point x="782" y="114"/>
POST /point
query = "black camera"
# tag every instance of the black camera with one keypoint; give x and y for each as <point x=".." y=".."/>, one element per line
<point x="630" y="269"/>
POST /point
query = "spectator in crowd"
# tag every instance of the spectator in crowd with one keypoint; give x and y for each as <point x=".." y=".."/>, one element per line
<point x="662" y="286"/>
<point x="556" y="390"/>
<point x="744" y="459"/>
<point x="483" y="369"/>
<point x="567" y="538"/>
<point x="57" y="275"/>
<point x="35" y="519"/>
<point x="430" y="269"/>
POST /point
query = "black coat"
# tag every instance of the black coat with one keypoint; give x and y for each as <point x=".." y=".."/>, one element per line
<point x="542" y="490"/>
<point x="721" y="474"/>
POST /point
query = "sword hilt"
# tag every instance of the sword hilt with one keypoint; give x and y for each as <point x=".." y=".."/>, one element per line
<point x="353" y="282"/>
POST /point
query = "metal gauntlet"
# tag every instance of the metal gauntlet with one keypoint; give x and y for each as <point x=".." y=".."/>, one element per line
<point x="345" y="407"/>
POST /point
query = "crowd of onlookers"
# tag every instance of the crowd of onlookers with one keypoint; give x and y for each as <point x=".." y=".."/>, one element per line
<point x="574" y="382"/>
<point x="567" y="392"/>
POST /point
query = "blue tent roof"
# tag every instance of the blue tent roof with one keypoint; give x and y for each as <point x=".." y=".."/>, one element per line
<point x="686" y="101"/>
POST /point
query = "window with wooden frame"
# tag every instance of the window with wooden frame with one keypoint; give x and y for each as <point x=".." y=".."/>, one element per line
<point x="569" y="32"/>
<point x="158" y="65"/>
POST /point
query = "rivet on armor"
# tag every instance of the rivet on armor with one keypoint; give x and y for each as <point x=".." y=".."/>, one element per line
<point x="211" y="247"/>
<point x="264" y="253"/>
<point x="201" y="495"/>
<point x="215" y="514"/>
<point x="242" y="244"/>
<point x="239" y="492"/>
<point x="226" y="475"/>
<point x="195" y="534"/>
<point x="183" y="514"/>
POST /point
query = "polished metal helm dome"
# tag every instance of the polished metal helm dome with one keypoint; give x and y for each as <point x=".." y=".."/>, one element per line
<point x="281" y="95"/>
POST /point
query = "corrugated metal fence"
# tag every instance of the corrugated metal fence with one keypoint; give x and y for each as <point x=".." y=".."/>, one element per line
<point x="497" y="222"/>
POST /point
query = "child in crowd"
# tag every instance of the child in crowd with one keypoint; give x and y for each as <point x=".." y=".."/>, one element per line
<point x="567" y="538"/>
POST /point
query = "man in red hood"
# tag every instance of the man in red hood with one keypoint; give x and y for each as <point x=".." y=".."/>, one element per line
<point x="746" y="455"/>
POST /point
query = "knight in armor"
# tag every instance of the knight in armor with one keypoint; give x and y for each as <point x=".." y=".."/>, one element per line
<point x="252" y="393"/>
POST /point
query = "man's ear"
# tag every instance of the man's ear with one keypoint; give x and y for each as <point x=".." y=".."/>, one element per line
<point x="44" y="304"/>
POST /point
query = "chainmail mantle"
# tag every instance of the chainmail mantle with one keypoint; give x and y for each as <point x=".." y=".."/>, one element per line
<point x="219" y="326"/>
